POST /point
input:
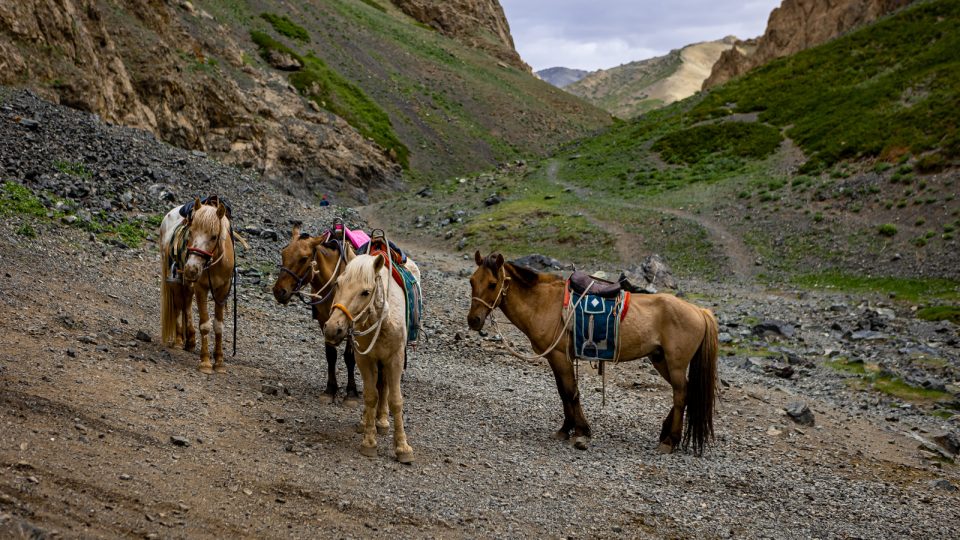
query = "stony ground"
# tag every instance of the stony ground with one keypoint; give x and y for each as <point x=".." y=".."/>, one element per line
<point x="106" y="433"/>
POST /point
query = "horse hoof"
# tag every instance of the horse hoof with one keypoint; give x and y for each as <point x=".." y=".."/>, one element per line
<point x="330" y="398"/>
<point x="368" y="451"/>
<point x="220" y="369"/>
<point x="406" y="458"/>
<point x="382" y="430"/>
<point x="207" y="369"/>
<point x="351" y="402"/>
<point x="664" y="448"/>
<point x="561" y="435"/>
<point x="581" y="443"/>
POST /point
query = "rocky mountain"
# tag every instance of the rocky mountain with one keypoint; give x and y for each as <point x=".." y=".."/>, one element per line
<point x="561" y="76"/>
<point x="477" y="23"/>
<point x="335" y="97"/>
<point x="634" y="88"/>
<point x="797" y="25"/>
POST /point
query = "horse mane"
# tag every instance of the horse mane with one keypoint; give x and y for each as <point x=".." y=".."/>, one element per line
<point x="525" y="276"/>
<point x="360" y="269"/>
<point x="206" y="218"/>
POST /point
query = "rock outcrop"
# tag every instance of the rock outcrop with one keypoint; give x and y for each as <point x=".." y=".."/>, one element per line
<point x="797" y="25"/>
<point x="477" y="23"/>
<point x="138" y="63"/>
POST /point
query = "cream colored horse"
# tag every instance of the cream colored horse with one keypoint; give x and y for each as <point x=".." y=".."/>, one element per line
<point x="208" y="269"/>
<point x="370" y="308"/>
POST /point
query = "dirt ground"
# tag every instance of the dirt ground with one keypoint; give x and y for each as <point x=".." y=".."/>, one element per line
<point x="89" y="413"/>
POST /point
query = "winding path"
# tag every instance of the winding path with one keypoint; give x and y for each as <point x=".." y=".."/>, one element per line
<point x="740" y="258"/>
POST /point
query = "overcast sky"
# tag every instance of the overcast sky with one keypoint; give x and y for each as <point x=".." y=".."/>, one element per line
<point x="605" y="33"/>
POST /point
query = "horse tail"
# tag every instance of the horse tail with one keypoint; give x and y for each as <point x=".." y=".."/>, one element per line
<point x="168" y="315"/>
<point x="702" y="388"/>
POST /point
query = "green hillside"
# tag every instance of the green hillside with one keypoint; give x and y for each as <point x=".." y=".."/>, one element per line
<point x="838" y="161"/>
<point x="441" y="108"/>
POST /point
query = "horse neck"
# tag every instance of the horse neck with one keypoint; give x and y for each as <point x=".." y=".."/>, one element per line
<point x="324" y="270"/>
<point x="392" y="296"/>
<point x="527" y="307"/>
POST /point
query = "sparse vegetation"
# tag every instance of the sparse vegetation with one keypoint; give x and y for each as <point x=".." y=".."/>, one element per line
<point x="72" y="168"/>
<point x="739" y="139"/>
<point x="887" y="229"/>
<point x="17" y="199"/>
<point x="911" y="289"/>
<point x="285" y="27"/>
<point x="940" y="313"/>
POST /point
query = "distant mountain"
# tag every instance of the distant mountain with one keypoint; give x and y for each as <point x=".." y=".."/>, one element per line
<point x="561" y="76"/>
<point x="637" y="87"/>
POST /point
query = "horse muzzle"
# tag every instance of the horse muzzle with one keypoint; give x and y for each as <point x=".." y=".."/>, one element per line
<point x="282" y="295"/>
<point x="475" y="322"/>
<point x="334" y="332"/>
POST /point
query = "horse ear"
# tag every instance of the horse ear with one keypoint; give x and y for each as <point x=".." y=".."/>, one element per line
<point x="499" y="260"/>
<point x="196" y="203"/>
<point x="378" y="262"/>
<point x="478" y="258"/>
<point x="221" y="210"/>
<point x="295" y="234"/>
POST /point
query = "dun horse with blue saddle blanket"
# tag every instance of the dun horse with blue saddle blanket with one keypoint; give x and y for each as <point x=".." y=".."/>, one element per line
<point x="679" y="338"/>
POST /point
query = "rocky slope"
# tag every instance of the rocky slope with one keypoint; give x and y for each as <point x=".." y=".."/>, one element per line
<point x="477" y="23"/>
<point x="561" y="76"/>
<point x="797" y="25"/>
<point x="192" y="74"/>
<point x="107" y="433"/>
<point x="634" y="88"/>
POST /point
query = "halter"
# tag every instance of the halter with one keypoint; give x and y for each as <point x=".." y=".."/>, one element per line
<point x="352" y="332"/>
<point x="318" y="297"/>
<point x="206" y="255"/>
<point x="504" y="284"/>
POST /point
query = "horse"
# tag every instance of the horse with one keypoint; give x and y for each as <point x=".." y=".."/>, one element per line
<point x="318" y="260"/>
<point x="674" y="334"/>
<point x="207" y="267"/>
<point x="370" y="309"/>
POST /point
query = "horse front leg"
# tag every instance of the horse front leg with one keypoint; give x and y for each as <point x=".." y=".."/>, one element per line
<point x="393" y="372"/>
<point x="368" y="447"/>
<point x="331" y="390"/>
<point x="678" y="380"/>
<point x="205" y="326"/>
<point x="353" y="396"/>
<point x="218" y="311"/>
<point x="573" y="417"/>
<point x="185" y="330"/>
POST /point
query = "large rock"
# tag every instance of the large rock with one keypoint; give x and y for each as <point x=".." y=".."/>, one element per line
<point x="797" y="25"/>
<point x="142" y="64"/>
<point x="476" y="23"/>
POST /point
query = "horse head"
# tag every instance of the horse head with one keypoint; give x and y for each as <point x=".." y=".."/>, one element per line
<point x="207" y="232"/>
<point x="296" y="264"/>
<point x="487" y="286"/>
<point x="361" y="292"/>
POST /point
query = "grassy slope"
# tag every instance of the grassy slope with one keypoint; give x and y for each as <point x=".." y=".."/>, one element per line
<point x="810" y="228"/>
<point x="618" y="89"/>
<point x="453" y="108"/>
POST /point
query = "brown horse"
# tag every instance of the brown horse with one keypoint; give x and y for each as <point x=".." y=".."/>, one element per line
<point x="207" y="268"/>
<point x="318" y="261"/>
<point x="673" y="333"/>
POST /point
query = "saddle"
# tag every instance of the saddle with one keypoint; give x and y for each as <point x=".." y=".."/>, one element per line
<point x="187" y="208"/>
<point x="378" y="245"/>
<point x="580" y="283"/>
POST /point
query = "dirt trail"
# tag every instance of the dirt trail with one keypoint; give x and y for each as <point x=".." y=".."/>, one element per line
<point x="740" y="258"/>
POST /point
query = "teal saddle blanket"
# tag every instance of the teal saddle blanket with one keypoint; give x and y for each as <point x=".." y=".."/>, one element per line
<point x="596" y="324"/>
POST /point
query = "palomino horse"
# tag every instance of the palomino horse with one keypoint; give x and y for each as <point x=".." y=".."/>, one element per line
<point x="673" y="333"/>
<point x="318" y="260"/>
<point x="207" y="268"/>
<point x="370" y="309"/>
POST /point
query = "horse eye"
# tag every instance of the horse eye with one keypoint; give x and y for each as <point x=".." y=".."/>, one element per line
<point x="303" y="260"/>
<point x="365" y="293"/>
<point x="492" y="286"/>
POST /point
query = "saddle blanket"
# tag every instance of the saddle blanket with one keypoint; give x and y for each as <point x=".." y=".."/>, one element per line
<point x="596" y="324"/>
<point x="411" y="287"/>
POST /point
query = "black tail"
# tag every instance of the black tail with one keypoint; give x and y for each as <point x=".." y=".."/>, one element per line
<point x="702" y="389"/>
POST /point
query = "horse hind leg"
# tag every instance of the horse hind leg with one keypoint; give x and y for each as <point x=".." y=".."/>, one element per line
<point x="667" y="443"/>
<point x="400" y="445"/>
<point x="383" y="388"/>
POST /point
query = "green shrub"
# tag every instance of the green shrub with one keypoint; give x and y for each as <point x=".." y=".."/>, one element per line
<point x="940" y="313"/>
<point x="739" y="139"/>
<point x="375" y="5"/>
<point x="285" y="27"/>
<point x="887" y="229"/>
<point x="17" y="199"/>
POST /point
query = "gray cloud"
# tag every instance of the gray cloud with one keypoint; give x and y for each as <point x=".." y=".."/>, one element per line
<point x="606" y="33"/>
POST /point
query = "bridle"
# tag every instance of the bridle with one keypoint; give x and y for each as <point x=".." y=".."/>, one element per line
<point x="313" y="299"/>
<point x="207" y="256"/>
<point x="352" y="332"/>
<point x="504" y="283"/>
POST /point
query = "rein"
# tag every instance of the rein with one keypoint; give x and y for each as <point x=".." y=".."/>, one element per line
<point x="564" y="317"/>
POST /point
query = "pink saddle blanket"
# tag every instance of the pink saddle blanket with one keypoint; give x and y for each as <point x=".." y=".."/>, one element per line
<point x="357" y="238"/>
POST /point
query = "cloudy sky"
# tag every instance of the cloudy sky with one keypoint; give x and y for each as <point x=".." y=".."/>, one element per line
<point x="605" y="33"/>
